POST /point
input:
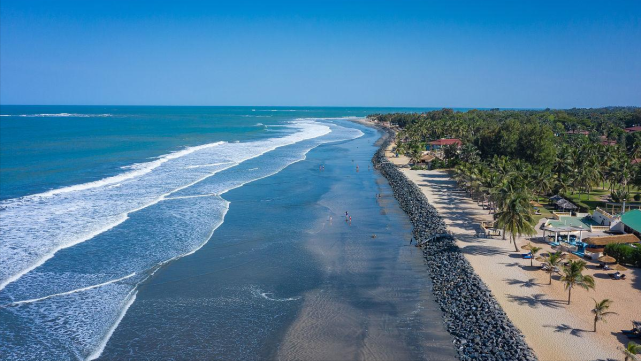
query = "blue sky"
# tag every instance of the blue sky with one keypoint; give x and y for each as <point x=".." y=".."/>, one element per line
<point x="557" y="54"/>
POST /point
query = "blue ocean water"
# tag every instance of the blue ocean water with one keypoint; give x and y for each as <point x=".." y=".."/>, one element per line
<point x="96" y="202"/>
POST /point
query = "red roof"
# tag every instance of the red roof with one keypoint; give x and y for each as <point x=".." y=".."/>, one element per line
<point x="633" y="129"/>
<point x="446" y="142"/>
<point x="636" y="161"/>
<point x="609" y="142"/>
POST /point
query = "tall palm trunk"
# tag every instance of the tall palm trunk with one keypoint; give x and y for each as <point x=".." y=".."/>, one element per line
<point x="569" y="294"/>
<point x="516" y="249"/>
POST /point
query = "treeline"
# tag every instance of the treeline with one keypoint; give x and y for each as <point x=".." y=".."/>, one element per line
<point x="531" y="152"/>
<point x="530" y="135"/>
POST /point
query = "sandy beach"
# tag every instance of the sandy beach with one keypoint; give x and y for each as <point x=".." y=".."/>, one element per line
<point x="555" y="330"/>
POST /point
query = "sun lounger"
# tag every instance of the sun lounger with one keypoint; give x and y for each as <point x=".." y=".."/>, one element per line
<point x="628" y="332"/>
<point x="614" y="276"/>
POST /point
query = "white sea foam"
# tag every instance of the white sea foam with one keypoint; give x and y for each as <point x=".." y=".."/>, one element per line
<point x="257" y="292"/>
<point x="103" y="342"/>
<point x="135" y="225"/>
<point x="63" y="217"/>
<point x="17" y="303"/>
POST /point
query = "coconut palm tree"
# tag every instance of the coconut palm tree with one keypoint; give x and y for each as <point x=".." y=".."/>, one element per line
<point x="600" y="310"/>
<point x="534" y="250"/>
<point x="573" y="276"/>
<point x="552" y="262"/>
<point x="631" y="351"/>
<point x="516" y="217"/>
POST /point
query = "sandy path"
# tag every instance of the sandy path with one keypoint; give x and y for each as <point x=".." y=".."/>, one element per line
<point x="553" y="329"/>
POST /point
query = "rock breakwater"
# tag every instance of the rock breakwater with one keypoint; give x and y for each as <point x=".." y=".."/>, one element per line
<point x="479" y="326"/>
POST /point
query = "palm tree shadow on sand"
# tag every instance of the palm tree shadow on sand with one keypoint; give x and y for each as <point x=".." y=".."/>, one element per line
<point x="535" y="301"/>
<point x="527" y="284"/>
<point x="564" y="328"/>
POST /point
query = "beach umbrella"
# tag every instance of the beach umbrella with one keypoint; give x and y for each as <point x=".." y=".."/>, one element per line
<point x="527" y="247"/>
<point x="541" y="259"/>
<point x="607" y="259"/>
<point x="572" y="256"/>
<point x="619" y="267"/>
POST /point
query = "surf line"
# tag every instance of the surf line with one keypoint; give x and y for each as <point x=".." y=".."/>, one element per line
<point x="18" y="303"/>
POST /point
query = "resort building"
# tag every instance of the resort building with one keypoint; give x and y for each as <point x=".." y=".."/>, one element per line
<point x="630" y="222"/>
<point x="604" y="218"/>
<point x="440" y="143"/>
<point x="636" y="128"/>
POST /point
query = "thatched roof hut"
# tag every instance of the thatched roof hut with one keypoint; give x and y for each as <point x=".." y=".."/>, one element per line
<point x="605" y="240"/>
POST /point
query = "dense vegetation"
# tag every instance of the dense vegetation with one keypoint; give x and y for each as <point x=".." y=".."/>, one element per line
<point x="624" y="253"/>
<point x="510" y="157"/>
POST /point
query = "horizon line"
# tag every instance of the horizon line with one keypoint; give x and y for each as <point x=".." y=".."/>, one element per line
<point x="325" y="106"/>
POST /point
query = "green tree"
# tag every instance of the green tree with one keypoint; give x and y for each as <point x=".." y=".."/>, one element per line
<point x="631" y="351"/>
<point x="516" y="217"/>
<point x="552" y="262"/>
<point x="534" y="250"/>
<point x="600" y="310"/>
<point x="573" y="277"/>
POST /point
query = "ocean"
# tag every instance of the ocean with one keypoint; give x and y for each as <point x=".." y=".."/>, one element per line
<point x="205" y="233"/>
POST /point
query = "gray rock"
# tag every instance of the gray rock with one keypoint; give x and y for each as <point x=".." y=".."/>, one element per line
<point x="470" y="311"/>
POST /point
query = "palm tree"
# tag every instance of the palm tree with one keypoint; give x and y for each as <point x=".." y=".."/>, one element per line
<point x="516" y="217"/>
<point x="552" y="262"/>
<point x="415" y="153"/>
<point x="573" y="277"/>
<point x="631" y="351"/>
<point x="601" y="310"/>
<point x="534" y="250"/>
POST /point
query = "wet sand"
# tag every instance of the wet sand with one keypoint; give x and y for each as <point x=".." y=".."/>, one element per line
<point x="374" y="302"/>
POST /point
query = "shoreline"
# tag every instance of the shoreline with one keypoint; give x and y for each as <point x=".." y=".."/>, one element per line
<point x="472" y="315"/>
<point x="385" y="313"/>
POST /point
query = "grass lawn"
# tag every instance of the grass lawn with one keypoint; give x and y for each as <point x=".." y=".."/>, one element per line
<point x="595" y="198"/>
<point x="545" y="213"/>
